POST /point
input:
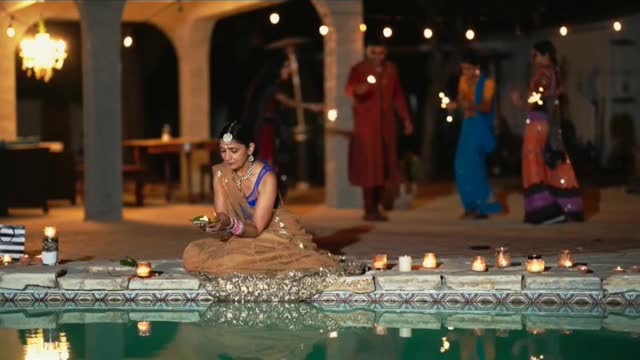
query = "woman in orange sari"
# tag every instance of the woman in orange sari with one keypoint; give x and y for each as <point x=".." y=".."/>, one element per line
<point x="252" y="234"/>
<point x="550" y="185"/>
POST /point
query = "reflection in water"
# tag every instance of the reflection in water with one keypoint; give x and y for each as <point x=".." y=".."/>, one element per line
<point x="144" y="328"/>
<point x="48" y="344"/>
<point x="303" y="331"/>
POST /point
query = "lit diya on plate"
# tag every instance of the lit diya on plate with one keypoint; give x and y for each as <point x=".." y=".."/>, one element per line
<point x="204" y="220"/>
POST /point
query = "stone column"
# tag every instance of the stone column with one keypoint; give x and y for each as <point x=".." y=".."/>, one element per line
<point x="343" y="47"/>
<point x="8" y="102"/>
<point x="192" y="41"/>
<point x="101" y="93"/>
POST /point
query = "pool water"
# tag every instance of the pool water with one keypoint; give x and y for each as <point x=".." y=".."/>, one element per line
<point x="252" y="334"/>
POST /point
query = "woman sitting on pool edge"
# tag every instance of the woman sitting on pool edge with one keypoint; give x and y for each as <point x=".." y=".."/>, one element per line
<point x="253" y="233"/>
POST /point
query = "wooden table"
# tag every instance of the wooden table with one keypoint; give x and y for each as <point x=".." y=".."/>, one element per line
<point x="141" y="147"/>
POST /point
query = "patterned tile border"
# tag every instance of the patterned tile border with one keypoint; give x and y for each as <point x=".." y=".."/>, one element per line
<point x="377" y="299"/>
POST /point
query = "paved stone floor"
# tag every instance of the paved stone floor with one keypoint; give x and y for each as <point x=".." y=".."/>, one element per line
<point x="161" y="230"/>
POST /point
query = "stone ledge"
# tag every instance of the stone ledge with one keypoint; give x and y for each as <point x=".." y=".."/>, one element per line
<point x="356" y="318"/>
<point x="558" y="322"/>
<point x="93" y="317"/>
<point x="620" y="283"/>
<point x="21" y="278"/>
<point x="567" y="282"/>
<point x="485" y="321"/>
<point x="622" y="323"/>
<point x="410" y="320"/>
<point x="397" y="281"/>
<point x="483" y="282"/>
<point x="361" y="284"/>
<point x="171" y="316"/>
<point x="20" y="320"/>
<point x="93" y="282"/>
<point x="165" y="282"/>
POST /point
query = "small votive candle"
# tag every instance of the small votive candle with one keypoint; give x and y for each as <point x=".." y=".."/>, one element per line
<point x="144" y="328"/>
<point x="479" y="264"/>
<point x="7" y="259"/>
<point x="583" y="269"/>
<point x="535" y="264"/>
<point x="430" y="261"/>
<point x="405" y="332"/>
<point x="619" y="270"/>
<point x="503" y="258"/>
<point x="380" y="262"/>
<point x="404" y="263"/>
<point x="143" y="270"/>
<point x="565" y="259"/>
<point x="380" y="330"/>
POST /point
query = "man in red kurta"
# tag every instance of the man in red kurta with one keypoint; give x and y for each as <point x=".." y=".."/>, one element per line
<point x="377" y="96"/>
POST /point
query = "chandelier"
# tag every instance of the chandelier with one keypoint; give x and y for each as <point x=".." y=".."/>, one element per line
<point x="42" y="54"/>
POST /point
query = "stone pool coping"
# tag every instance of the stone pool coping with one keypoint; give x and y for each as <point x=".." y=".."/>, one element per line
<point x="532" y="319"/>
<point x="109" y="284"/>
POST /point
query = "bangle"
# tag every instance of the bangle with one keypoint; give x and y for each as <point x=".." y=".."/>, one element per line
<point x="238" y="228"/>
<point x="232" y="224"/>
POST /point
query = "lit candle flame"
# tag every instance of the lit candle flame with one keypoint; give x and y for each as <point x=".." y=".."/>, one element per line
<point x="50" y="231"/>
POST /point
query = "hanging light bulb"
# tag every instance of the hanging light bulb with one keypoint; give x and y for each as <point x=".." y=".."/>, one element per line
<point x="428" y="33"/>
<point x="470" y="34"/>
<point x="564" y="31"/>
<point x="11" y="32"/>
<point x="274" y="18"/>
<point x="363" y="27"/>
<point x="128" y="41"/>
<point x="617" y="26"/>
<point x="387" y="32"/>
<point x="324" y="30"/>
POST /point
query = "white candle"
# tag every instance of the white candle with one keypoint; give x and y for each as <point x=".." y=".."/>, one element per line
<point x="404" y="263"/>
<point x="405" y="332"/>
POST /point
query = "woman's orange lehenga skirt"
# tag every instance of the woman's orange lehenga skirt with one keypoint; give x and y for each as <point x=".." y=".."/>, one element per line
<point x="551" y="195"/>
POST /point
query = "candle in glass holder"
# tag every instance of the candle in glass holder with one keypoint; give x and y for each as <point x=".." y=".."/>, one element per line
<point x="143" y="269"/>
<point x="565" y="259"/>
<point x="618" y="269"/>
<point x="430" y="261"/>
<point x="503" y="258"/>
<point x="404" y="263"/>
<point x="380" y="262"/>
<point x="144" y="328"/>
<point x="535" y="264"/>
<point x="479" y="264"/>
<point x="7" y="259"/>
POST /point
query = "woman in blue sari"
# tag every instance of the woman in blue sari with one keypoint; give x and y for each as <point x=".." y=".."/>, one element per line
<point x="475" y="97"/>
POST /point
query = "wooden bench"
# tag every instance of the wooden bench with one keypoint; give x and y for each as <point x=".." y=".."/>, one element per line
<point x="129" y="171"/>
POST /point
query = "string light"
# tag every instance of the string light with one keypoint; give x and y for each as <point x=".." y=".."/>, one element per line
<point x="363" y="27"/>
<point x="274" y="18"/>
<point x="128" y="41"/>
<point x="617" y="26"/>
<point x="428" y="33"/>
<point x="324" y="30"/>
<point x="449" y="118"/>
<point x="564" y="31"/>
<point x="387" y="32"/>
<point x="470" y="34"/>
<point x="332" y="115"/>
<point x="11" y="32"/>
